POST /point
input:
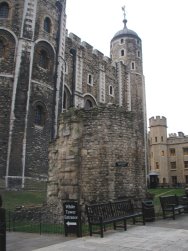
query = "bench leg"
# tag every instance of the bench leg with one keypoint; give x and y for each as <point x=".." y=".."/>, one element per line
<point x="173" y="214"/>
<point x="134" y="221"/>
<point x="125" y="224"/>
<point x="101" y="230"/>
<point x="90" y="229"/>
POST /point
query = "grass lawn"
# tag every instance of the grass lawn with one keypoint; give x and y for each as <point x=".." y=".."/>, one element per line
<point x="12" y="199"/>
<point x="157" y="192"/>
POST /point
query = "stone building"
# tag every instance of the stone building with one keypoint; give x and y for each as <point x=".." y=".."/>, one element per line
<point x="168" y="158"/>
<point x="56" y="88"/>
<point x="100" y="151"/>
<point x="32" y="46"/>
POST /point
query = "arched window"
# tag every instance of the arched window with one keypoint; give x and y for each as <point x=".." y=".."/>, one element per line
<point x="122" y="53"/>
<point x="47" y="24"/>
<point x="4" y="10"/>
<point x="2" y="49"/>
<point x="88" y="104"/>
<point x="43" y="59"/>
<point x="39" y="115"/>
<point x="66" y="99"/>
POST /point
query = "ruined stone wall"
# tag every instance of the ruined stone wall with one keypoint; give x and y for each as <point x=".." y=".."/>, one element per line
<point x="83" y="160"/>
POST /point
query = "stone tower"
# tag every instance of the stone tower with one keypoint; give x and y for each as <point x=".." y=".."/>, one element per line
<point x="158" y="148"/>
<point x="100" y="152"/>
<point x="32" y="45"/>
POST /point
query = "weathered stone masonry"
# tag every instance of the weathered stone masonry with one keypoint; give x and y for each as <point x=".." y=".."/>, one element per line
<point x="25" y="85"/>
<point x="85" y="154"/>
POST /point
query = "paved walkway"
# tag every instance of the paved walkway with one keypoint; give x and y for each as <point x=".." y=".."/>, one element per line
<point x="162" y="235"/>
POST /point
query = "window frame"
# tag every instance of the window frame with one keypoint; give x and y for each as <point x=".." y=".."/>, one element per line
<point x="90" y="79"/>
<point x="43" y="60"/>
<point x="2" y="49"/>
<point x="2" y="16"/>
<point x="47" y="25"/>
<point x="40" y="115"/>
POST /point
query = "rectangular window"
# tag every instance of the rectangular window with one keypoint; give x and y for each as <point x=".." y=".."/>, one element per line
<point x="138" y="54"/>
<point x="173" y="165"/>
<point x="132" y="65"/>
<point x="161" y="138"/>
<point x="185" y="164"/>
<point x="186" y="179"/>
<point x="122" y="41"/>
<point x="162" y="153"/>
<point x="174" y="180"/>
<point x="155" y="139"/>
<point x="90" y="79"/>
<point x="157" y="165"/>
<point x="185" y="151"/>
<point x="172" y="152"/>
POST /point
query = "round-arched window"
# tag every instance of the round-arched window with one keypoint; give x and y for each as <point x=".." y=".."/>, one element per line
<point x="2" y="49"/>
<point x="88" y="104"/>
<point x="4" y="10"/>
<point x="43" y="59"/>
<point x="40" y="115"/>
<point x="47" y="24"/>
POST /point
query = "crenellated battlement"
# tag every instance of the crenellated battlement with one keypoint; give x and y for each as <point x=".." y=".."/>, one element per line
<point x="90" y="49"/>
<point x="158" y="121"/>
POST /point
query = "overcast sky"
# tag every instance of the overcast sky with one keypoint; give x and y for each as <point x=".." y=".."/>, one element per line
<point x="163" y="27"/>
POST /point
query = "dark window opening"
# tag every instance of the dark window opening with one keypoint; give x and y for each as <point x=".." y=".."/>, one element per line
<point x="2" y="49"/>
<point x="39" y="115"/>
<point x="111" y="90"/>
<point x="90" y="79"/>
<point x="133" y="66"/>
<point x="122" y="41"/>
<point x="43" y="59"/>
<point x="4" y="10"/>
<point x="122" y="52"/>
<point x="88" y="104"/>
<point x="47" y="24"/>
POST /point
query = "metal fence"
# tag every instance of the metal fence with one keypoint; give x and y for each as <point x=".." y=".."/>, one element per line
<point x="34" y="220"/>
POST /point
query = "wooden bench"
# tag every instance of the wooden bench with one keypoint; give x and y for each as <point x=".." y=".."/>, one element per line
<point x="170" y="206"/>
<point x="112" y="212"/>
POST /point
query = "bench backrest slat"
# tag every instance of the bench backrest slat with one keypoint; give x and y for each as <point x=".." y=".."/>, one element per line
<point x="166" y="201"/>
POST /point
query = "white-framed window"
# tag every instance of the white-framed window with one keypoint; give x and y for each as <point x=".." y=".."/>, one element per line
<point x="90" y="79"/>
<point x="111" y="90"/>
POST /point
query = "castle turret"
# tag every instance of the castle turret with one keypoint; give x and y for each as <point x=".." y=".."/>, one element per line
<point x="126" y="48"/>
<point x="158" y="147"/>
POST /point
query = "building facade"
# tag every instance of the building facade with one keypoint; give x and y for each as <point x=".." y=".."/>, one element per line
<point x="168" y="154"/>
<point x="32" y="46"/>
<point x="56" y="88"/>
<point x="100" y="152"/>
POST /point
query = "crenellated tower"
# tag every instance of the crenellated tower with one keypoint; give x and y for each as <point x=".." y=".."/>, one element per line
<point x="158" y="148"/>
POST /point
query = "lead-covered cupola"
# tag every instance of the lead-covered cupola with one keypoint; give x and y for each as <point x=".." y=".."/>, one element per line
<point x="126" y="46"/>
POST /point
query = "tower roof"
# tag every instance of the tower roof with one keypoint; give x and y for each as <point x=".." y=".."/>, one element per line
<point x="125" y="31"/>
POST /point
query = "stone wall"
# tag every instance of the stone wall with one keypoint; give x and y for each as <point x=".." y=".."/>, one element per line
<point x="83" y="161"/>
